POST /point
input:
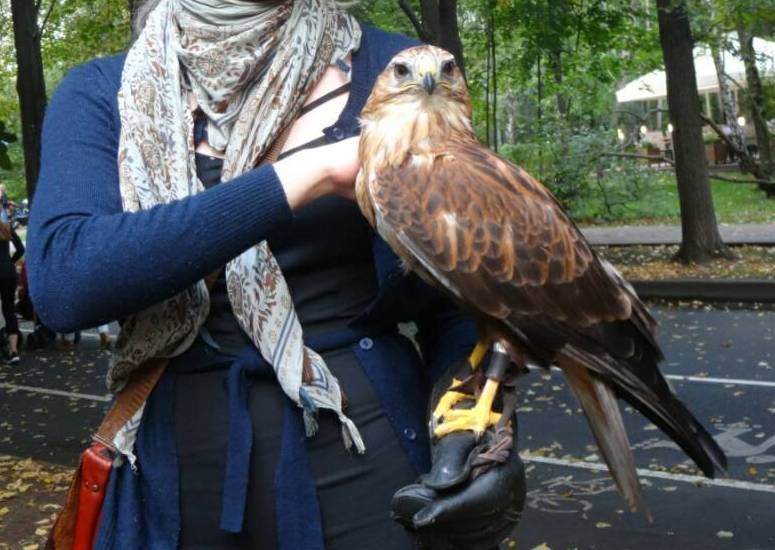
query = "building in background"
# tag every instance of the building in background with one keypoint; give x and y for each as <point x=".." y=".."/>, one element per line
<point x="646" y="96"/>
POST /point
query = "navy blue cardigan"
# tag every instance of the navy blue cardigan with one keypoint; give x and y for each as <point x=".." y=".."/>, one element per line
<point x="89" y="262"/>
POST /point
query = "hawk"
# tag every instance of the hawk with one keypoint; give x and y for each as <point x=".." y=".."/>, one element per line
<point x="482" y="229"/>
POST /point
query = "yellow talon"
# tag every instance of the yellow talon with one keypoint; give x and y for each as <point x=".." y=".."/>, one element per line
<point x="477" y="355"/>
<point x="449" y="400"/>
<point x="477" y="419"/>
<point x="452" y="397"/>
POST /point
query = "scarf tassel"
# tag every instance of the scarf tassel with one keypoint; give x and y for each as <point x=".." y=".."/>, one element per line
<point x="350" y="434"/>
<point x="310" y="410"/>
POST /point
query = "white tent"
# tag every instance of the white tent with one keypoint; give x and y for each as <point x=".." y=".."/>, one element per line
<point x="653" y="85"/>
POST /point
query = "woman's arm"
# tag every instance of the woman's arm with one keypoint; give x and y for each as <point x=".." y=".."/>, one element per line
<point x="18" y="246"/>
<point x="90" y="262"/>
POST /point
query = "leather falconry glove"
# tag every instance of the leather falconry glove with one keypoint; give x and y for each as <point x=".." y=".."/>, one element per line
<point x="474" y="494"/>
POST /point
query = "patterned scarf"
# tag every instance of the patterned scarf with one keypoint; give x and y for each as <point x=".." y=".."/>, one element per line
<point x="249" y="66"/>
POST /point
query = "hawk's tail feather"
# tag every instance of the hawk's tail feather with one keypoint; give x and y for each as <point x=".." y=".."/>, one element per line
<point x="602" y="411"/>
<point x="651" y="395"/>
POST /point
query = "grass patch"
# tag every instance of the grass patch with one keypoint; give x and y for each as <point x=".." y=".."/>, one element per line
<point x="655" y="263"/>
<point x="658" y="203"/>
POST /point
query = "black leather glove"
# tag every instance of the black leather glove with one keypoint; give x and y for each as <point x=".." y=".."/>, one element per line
<point x="474" y="494"/>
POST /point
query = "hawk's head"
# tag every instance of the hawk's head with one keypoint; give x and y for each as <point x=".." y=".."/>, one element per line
<point x="419" y="101"/>
<point x="423" y="73"/>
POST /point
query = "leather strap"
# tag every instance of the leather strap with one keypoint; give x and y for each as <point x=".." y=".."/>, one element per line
<point x="129" y="400"/>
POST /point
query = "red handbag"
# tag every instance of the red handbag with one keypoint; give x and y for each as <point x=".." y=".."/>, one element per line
<point x="96" y="462"/>
<point x="77" y="523"/>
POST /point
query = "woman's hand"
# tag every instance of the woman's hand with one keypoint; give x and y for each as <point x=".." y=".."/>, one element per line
<point x="312" y="173"/>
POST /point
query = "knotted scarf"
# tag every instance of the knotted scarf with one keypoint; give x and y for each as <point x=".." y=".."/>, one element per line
<point x="249" y="66"/>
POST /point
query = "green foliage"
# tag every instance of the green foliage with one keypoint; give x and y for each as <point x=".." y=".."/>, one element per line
<point x="577" y="165"/>
<point x="76" y="31"/>
<point x="657" y="202"/>
<point x="384" y="14"/>
<point x="13" y="179"/>
<point x="5" y="139"/>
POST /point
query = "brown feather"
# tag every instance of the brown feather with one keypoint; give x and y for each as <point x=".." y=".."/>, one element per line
<point x="605" y="419"/>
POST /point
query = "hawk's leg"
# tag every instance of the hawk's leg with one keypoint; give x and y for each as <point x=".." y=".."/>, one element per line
<point x="480" y="416"/>
<point x="453" y="397"/>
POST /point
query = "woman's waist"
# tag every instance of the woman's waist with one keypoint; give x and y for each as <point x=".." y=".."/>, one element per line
<point x="323" y="338"/>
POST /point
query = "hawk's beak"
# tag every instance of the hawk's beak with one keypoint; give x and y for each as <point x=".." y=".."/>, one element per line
<point x="428" y="82"/>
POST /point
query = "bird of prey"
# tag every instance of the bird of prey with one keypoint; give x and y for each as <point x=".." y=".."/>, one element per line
<point x="490" y="235"/>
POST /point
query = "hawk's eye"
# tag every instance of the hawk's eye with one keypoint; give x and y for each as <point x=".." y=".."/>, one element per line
<point x="400" y="70"/>
<point x="448" y="68"/>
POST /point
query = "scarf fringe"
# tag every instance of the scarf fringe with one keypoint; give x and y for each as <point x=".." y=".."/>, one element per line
<point x="310" y="411"/>
<point x="351" y="435"/>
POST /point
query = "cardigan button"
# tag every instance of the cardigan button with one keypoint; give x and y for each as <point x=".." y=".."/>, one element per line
<point x="410" y="434"/>
<point x="366" y="343"/>
<point x="338" y="133"/>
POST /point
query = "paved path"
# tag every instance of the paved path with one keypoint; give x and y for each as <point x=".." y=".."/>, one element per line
<point x="749" y="233"/>
<point x="721" y="362"/>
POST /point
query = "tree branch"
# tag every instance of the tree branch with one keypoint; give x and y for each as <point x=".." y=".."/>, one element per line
<point x="639" y="156"/>
<point x="733" y="180"/>
<point x="45" y="19"/>
<point x="638" y="116"/>
<point x="746" y="163"/>
<point x="422" y="33"/>
<point x="672" y="163"/>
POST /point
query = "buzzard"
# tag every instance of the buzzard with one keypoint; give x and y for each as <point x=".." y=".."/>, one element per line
<point x="482" y="229"/>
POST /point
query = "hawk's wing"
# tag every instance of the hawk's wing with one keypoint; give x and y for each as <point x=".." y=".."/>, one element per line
<point x="496" y="238"/>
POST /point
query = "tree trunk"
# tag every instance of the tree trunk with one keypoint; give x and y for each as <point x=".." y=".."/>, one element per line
<point x="507" y="129"/>
<point x="756" y="100"/>
<point x="449" y="36"/>
<point x="437" y="25"/>
<point x="132" y="6"/>
<point x="30" y="85"/>
<point x="555" y="64"/>
<point x="701" y="240"/>
<point x="727" y="100"/>
<point x="494" y="68"/>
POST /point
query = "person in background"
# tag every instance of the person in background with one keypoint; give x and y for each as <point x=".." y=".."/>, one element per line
<point x="106" y="341"/>
<point x="9" y="281"/>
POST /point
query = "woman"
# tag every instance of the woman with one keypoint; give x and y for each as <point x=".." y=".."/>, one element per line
<point x="9" y="281"/>
<point x="206" y="89"/>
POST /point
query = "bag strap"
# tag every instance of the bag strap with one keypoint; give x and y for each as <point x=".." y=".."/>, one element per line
<point x="129" y="400"/>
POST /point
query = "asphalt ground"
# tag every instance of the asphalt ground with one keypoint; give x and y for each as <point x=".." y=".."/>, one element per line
<point x="721" y="362"/>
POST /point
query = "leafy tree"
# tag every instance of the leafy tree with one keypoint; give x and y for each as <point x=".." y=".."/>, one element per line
<point x="700" y="239"/>
<point x="437" y="24"/>
<point x="30" y="82"/>
<point x="718" y="20"/>
<point x="75" y="31"/>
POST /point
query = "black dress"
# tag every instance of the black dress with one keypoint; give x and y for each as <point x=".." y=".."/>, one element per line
<point x="326" y="257"/>
<point x="9" y="280"/>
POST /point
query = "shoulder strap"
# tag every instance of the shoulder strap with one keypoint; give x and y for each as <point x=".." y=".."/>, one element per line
<point x="129" y="400"/>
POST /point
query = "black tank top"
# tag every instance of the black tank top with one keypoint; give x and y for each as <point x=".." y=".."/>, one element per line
<point x="325" y="254"/>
